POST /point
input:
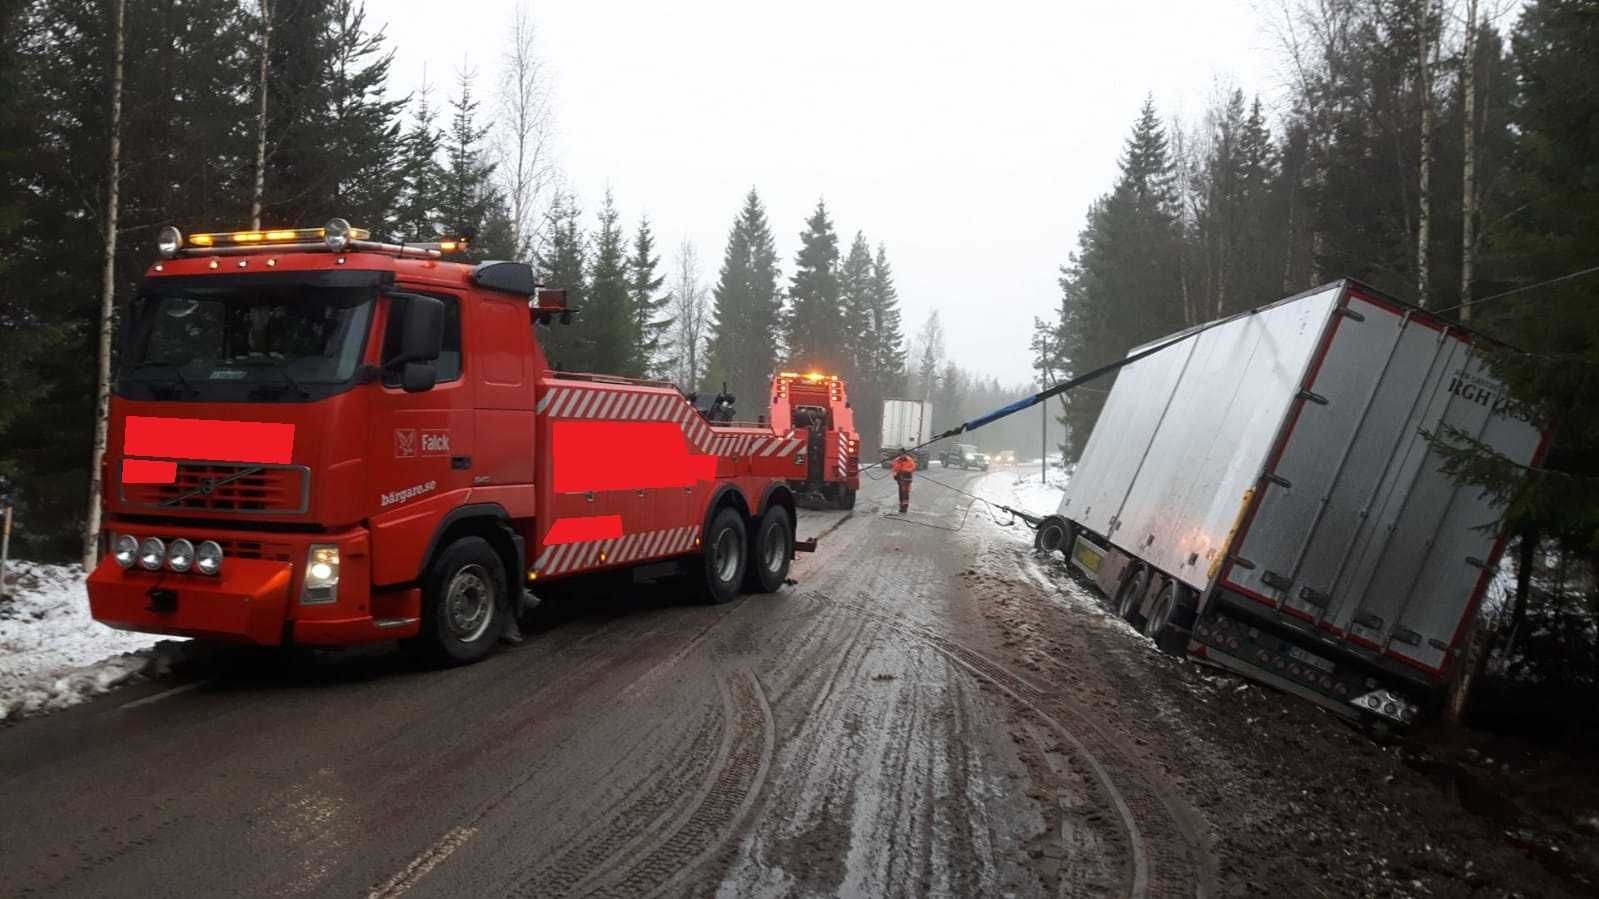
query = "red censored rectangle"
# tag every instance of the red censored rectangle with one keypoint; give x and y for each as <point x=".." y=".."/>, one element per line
<point x="210" y="440"/>
<point x="577" y="530"/>
<point x="148" y="471"/>
<point x="625" y="455"/>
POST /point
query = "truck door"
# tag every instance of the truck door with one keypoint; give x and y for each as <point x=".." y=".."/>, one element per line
<point x="419" y="448"/>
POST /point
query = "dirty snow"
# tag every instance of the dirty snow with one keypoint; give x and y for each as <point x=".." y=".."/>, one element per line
<point x="52" y="654"/>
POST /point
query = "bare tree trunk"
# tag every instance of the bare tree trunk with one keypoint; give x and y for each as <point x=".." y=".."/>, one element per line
<point x="108" y="309"/>
<point x="1424" y="221"/>
<point x="526" y="167"/>
<point x="259" y="193"/>
<point x="1468" y="188"/>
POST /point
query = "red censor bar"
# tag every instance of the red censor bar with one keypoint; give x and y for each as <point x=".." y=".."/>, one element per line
<point x="209" y="440"/>
<point x="148" y="471"/>
<point x="577" y="530"/>
<point x="625" y="455"/>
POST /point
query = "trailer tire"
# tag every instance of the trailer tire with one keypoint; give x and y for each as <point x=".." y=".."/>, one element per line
<point x="1130" y="594"/>
<point x="725" y="554"/>
<point x="771" y="552"/>
<point x="845" y="499"/>
<point x="1054" y="534"/>
<point x="1171" y="618"/>
<point x="464" y="603"/>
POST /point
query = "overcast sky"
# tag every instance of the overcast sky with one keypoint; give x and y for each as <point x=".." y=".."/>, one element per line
<point x="968" y="138"/>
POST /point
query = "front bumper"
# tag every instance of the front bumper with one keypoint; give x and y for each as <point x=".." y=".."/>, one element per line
<point x="254" y="600"/>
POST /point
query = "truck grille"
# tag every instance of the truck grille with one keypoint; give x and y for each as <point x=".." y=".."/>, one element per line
<point x="255" y="549"/>
<point x="200" y="486"/>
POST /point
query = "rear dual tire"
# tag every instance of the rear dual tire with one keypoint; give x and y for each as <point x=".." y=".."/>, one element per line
<point x="1171" y="619"/>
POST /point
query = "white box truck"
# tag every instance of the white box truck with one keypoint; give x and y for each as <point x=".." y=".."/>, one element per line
<point x="1264" y="494"/>
<point x="906" y="423"/>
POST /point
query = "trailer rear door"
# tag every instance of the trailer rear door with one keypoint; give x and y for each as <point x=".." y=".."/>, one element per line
<point x="1358" y="529"/>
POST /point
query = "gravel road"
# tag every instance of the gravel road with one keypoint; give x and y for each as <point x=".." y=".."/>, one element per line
<point x="929" y="711"/>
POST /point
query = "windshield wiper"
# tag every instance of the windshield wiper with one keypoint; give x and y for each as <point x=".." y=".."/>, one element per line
<point x="277" y="367"/>
<point x="176" y="370"/>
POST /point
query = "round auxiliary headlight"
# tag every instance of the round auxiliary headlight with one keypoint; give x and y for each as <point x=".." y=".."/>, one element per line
<point x="152" y="552"/>
<point x="180" y="555"/>
<point x="169" y="241"/>
<point x="208" y="557"/>
<point x="337" y="233"/>
<point x="126" y="550"/>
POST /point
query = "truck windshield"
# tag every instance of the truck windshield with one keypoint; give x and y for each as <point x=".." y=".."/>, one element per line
<point x="244" y="341"/>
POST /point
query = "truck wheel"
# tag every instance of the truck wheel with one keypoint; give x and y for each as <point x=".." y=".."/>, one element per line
<point x="845" y="499"/>
<point x="772" y="552"/>
<point x="1171" y="619"/>
<point x="464" y="600"/>
<point x="1130" y="593"/>
<point x="1053" y="534"/>
<point x="726" y="555"/>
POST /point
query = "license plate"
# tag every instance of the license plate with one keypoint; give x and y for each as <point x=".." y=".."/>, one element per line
<point x="1313" y="661"/>
<point x="1087" y="557"/>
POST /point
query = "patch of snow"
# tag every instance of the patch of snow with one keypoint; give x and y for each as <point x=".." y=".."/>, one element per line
<point x="52" y="653"/>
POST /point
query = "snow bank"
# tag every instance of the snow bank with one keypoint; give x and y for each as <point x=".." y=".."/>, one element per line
<point x="52" y="654"/>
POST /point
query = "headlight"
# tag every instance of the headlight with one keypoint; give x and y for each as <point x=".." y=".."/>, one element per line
<point x="180" y="555"/>
<point x="337" y="233"/>
<point x="152" y="552"/>
<point x="321" y="575"/>
<point x="169" y="242"/>
<point x="208" y="558"/>
<point x="126" y="550"/>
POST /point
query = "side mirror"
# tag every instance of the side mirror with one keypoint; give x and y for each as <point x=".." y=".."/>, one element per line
<point x="419" y="377"/>
<point x="421" y="328"/>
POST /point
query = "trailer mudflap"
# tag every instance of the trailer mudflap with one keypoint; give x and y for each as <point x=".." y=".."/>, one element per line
<point x="804" y="546"/>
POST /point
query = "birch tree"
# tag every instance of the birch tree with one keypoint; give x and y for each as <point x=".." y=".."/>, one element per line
<point x="259" y="190"/>
<point x="1468" y="169"/>
<point x="688" y="325"/>
<point x="1424" y="93"/>
<point x="108" y="271"/>
<point x="527" y="168"/>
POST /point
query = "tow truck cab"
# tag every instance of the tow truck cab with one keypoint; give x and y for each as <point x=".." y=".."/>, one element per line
<point x="312" y="433"/>
<point x="816" y="407"/>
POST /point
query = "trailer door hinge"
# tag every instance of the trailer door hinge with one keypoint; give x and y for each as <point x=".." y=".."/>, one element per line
<point x="1241" y="562"/>
<point x="1275" y="581"/>
<point x="1407" y="636"/>
<point x="1369" y="621"/>
<point x="1315" y="597"/>
<point x="1274" y="478"/>
<point x="1350" y="313"/>
<point x="1309" y="397"/>
<point x="1475" y="562"/>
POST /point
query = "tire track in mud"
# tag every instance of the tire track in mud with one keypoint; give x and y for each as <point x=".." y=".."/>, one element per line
<point x="663" y="830"/>
<point x="1166" y="851"/>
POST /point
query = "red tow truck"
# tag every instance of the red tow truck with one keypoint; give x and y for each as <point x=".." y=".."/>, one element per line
<point x="318" y="438"/>
<point x="815" y="408"/>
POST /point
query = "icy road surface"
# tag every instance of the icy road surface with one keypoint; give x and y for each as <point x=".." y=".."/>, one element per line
<point x="931" y="711"/>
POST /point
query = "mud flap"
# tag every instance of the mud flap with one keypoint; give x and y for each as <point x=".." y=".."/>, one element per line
<point x="804" y="546"/>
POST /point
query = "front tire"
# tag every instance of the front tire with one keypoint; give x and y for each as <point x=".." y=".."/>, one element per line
<point x="464" y="603"/>
<point x="771" y="552"/>
<point x="726" y="555"/>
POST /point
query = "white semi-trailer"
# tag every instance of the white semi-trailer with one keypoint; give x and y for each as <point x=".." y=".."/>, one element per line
<point x="1264" y="494"/>
<point x="906" y="424"/>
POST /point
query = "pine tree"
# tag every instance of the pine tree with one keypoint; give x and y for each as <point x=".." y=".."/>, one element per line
<point x="888" y="350"/>
<point x="651" y="310"/>
<point x="609" y="320"/>
<point x="814" y="321"/>
<point x="418" y="214"/>
<point x="563" y="263"/>
<point x="468" y="193"/>
<point x="855" y="302"/>
<point x="1122" y="286"/>
<point x="746" y="310"/>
